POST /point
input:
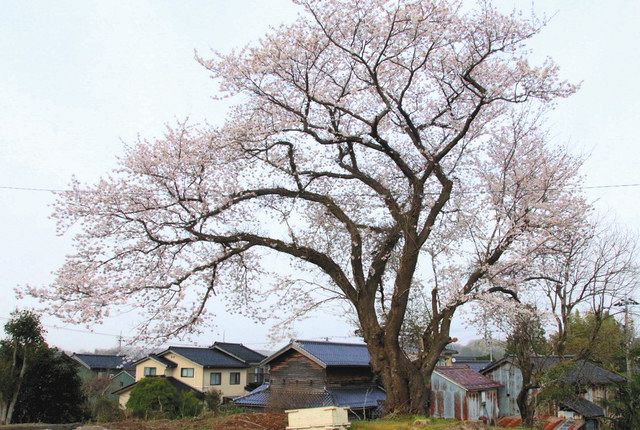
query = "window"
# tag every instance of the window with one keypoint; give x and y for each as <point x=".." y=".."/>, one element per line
<point x="149" y="371"/>
<point x="234" y="378"/>
<point x="215" y="378"/>
<point x="186" y="372"/>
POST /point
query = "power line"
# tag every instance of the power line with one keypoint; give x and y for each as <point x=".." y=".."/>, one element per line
<point x="48" y="190"/>
<point x="77" y="330"/>
<point x="585" y="187"/>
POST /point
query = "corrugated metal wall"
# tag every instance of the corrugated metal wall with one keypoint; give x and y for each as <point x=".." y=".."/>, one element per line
<point x="452" y="401"/>
<point x="511" y="379"/>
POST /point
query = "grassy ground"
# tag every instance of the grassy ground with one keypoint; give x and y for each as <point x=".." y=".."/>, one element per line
<point x="277" y="421"/>
<point x="400" y="424"/>
<point x="405" y="423"/>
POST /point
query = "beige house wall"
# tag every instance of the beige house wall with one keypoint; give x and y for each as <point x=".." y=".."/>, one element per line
<point x="123" y="398"/>
<point x="225" y="387"/>
<point x="181" y="363"/>
<point x="161" y="369"/>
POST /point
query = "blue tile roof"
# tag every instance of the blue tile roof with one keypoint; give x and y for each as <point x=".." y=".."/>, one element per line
<point x="102" y="361"/>
<point x="240" y="351"/>
<point x="337" y="354"/>
<point x="257" y="398"/>
<point x="355" y="397"/>
<point x="207" y="357"/>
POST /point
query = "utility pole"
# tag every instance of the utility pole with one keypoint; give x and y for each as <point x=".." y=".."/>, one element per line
<point x="628" y="332"/>
<point x="488" y="340"/>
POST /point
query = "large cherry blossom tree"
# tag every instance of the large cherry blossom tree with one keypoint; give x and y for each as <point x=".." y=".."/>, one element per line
<point x="382" y="147"/>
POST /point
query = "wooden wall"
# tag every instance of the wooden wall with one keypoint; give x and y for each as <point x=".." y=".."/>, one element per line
<point x="341" y="376"/>
<point x="295" y="381"/>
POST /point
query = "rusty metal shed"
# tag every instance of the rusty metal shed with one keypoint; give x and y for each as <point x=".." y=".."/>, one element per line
<point x="462" y="393"/>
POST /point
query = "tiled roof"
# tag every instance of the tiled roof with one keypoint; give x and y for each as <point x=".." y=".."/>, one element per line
<point x="467" y="378"/>
<point x="354" y="397"/>
<point x="207" y="357"/>
<point x="170" y="364"/>
<point x="257" y="398"/>
<point x="472" y="362"/>
<point x="582" y="406"/>
<point x="240" y="351"/>
<point x="583" y="372"/>
<point x="357" y="397"/>
<point x="101" y="361"/>
<point x="337" y="354"/>
<point x="478" y="366"/>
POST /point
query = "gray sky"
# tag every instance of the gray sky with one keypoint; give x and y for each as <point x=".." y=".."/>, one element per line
<point x="79" y="78"/>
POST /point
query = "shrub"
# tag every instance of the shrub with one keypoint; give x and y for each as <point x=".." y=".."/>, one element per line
<point x="213" y="399"/>
<point x="153" y="397"/>
<point x="106" y="410"/>
<point x="189" y="405"/>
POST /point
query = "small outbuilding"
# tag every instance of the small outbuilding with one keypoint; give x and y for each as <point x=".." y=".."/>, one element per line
<point x="579" y="409"/>
<point x="462" y="393"/>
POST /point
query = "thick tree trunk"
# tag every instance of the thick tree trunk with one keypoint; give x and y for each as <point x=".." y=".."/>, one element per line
<point x="406" y="388"/>
<point x="526" y="409"/>
<point x="525" y="404"/>
<point x="407" y="383"/>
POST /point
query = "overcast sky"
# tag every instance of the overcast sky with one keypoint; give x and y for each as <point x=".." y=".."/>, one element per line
<point x="79" y="79"/>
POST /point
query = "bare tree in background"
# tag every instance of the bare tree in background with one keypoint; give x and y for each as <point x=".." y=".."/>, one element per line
<point x="588" y="269"/>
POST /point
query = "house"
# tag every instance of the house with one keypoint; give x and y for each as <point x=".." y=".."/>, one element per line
<point x="592" y="383"/>
<point x="311" y="373"/>
<point x="255" y="373"/>
<point x="462" y="393"/>
<point x="114" y="367"/>
<point x="100" y="365"/>
<point x="200" y="369"/>
<point x="473" y="362"/>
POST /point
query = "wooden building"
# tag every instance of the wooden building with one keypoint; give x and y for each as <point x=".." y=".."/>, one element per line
<point x="311" y="374"/>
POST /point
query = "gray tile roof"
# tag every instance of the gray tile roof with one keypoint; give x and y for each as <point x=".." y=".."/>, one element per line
<point x="582" y="406"/>
<point x="581" y="372"/>
<point x="102" y="361"/>
<point x="472" y="362"/>
<point x="585" y="372"/>
<point x="170" y="364"/>
<point x="207" y="357"/>
<point x="337" y="354"/>
<point x="240" y="351"/>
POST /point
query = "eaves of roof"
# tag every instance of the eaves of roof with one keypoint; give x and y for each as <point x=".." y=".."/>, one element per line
<point x="296" y="347"/>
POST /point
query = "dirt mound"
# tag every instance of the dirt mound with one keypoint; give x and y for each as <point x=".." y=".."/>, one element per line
<point x="254" y="421"/>
<point x="246" y="421"/>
